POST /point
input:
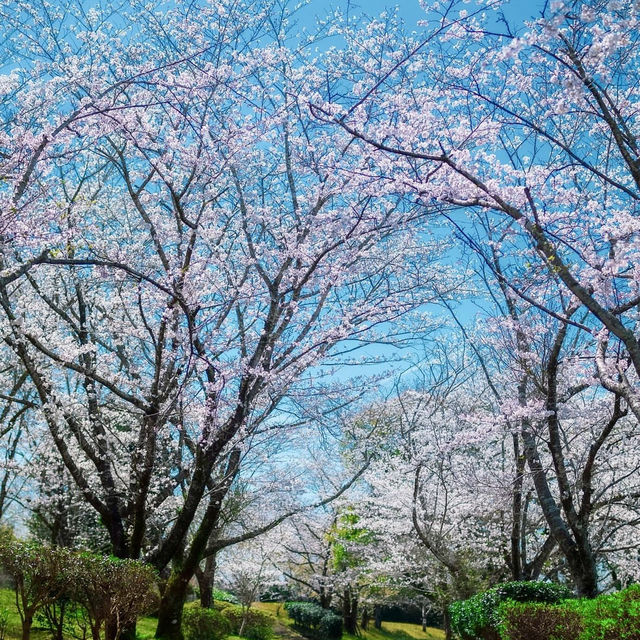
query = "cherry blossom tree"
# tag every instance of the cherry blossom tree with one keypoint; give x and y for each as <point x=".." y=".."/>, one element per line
<point x="530" y="136"/>
<point x="201" y="247"/>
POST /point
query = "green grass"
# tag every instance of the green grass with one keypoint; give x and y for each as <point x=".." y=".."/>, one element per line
<point x="276" y="609"/>
<point x="146" y="627"/>
<point x="389" y="631"/>
<point x="14" y="628"/>
<point x="397" y="631"/>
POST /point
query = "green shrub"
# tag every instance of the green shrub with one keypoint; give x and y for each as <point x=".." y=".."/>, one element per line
<point x="204" y="624"/>
<point x="220" y="595"/>
<point x="330" y="626"/>
<point x="478" y="617"/>
<point x="53" y="583"/>
<point x="258" y="624"/>
<point x="114" y="593"/>
<point x="614" y="616"/>
<point x="315" y="620"/>
<point x="538" y="621"/>
<point x="40" y="574"/>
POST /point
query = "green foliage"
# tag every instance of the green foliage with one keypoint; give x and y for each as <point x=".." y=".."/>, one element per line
<point x="51" y="582"/>
<point x="538" y="621"/>
<point x="478" y="617"/>
<point x="608" y="617"/>
<point x="204" y="624"/>
<point x="113" y="592"/>
<point x="258" y="624"/>
<point x="314" y="619"/>
<point x="41" y="575"/>
<point x="344" y="534"/>
<point x="330" y="626"/>
<point x="220" y="595"/>
<point x="614" y="616"/>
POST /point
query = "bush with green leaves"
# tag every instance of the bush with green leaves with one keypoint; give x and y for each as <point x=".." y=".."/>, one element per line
<point x="258" y="625"/>
<point x="220" y="595"/>
<point x="315" y="620"/>
<point x="330" y="626"/>
<point x="613" y="616"/>
<point x="41" y="575"/>
<point x="51" y="582"/>
<point x="204" y="624"/>
<point x="478" y="618"/>
<point x="538" y="621"/>
<point x="114" y="593"/>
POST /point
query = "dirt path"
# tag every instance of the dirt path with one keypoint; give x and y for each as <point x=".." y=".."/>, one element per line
<point x="281" y="631"/>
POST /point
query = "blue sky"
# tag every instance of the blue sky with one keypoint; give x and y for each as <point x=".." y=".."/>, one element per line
<point x="516" y="11"/>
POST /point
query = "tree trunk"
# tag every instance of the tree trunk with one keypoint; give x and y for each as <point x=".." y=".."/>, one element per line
<point x="518" y="553"/>
<point x="377" y="616"/>
<point x="245" y="614"/>
<point x="175" y="593"/>
<point x="26" y="626"/>
<point x="205" y="579"/>
<point x="350" y="611"/>
<point x="325" y="597"/>
<point x="448" y="632"/>
<point x="171" y="606"/>
<point x="584" y="574"/>
<point x="424" y="618"/>
<point x="364" y="618"/>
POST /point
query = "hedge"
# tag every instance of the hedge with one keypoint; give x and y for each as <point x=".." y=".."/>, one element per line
<point x="613" y="616"/>
<point x="478" y="617"/>
<point x="315" y="620"/>
<point x="52" y="582"/>
<point x="204" y="624"/>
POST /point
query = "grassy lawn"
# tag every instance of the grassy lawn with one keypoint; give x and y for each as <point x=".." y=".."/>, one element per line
<point x="389" y="631"/>
<point x="14" y="628"/>
<point x="276" y="609"/>
<point x="146" y="627"/>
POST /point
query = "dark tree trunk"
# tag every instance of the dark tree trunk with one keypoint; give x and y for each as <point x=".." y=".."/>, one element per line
<point x="205" y="579"/>
<point x="377" y="616"/>
<point x="518" y="553"/>
<point x="171" y="606"/>
<point x="175" y="593"/>
<point x="350" y="611"/>
<point x="364" y="618"/>
<point x="448" y="631"/>
<point x="26" y="626"/>
<point x="326" y="596"/>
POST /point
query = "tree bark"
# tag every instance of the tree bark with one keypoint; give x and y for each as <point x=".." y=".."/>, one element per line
<point x="448" y="631"/>
<point x="205" y="579"/>
<point x="175" y="593"/>
<point x="377" y="614"/>
<point x="350" y="611"/>
<point x="26" y="626"/>
<point x="171" y="607"/>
